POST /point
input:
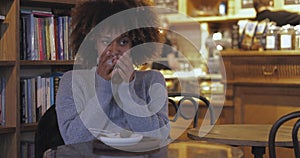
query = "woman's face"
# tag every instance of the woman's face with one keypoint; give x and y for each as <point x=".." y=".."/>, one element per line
<point x="116" y="46"/>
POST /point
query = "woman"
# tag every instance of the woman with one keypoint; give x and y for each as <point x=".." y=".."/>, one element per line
<point x="109" y="38"/>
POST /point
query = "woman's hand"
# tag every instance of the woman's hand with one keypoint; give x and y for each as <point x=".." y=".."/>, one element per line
<point x="124" y="69"/>
<point x="107" y="62"/>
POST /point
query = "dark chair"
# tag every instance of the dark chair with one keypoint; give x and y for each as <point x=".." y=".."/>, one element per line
<point x="295" y="138"/>
<point x="294" y="134"/>
<point x="191" y="98"/>
<point x="47" y="134"/>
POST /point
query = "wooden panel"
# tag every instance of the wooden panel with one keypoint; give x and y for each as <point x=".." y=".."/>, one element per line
<point x="9" y="54"/>
<point x="273" y="69"/>
<point x="8" y="34"/>
<point x="265" y="105"/>
<point x="264" y="86"/>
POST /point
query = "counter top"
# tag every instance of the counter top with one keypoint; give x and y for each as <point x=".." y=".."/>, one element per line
<point x="233" y="52"/>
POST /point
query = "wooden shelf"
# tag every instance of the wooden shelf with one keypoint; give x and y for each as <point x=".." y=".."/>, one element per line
<point x="56" y="4"/>
<point x="53" y="1"/>
<point x="7" y="63"/>
<point x="180" y="18"/>
<point x="29" y="127"/>
<point x="7" y="130"/>
<point x="260" y="53"/>
<point x="46" y="63"/>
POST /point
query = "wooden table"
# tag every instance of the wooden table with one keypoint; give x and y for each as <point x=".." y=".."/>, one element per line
<point x="253" y="135"/>
<point x="176" y="149"/>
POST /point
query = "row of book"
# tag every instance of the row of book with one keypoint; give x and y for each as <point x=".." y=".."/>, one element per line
<point x="44" y="36"/>
<point x="37" y="95"/>
<point x="27" y="149"/>
<point x="2" y="100"/>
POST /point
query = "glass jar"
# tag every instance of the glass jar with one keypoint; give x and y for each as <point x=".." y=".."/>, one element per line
<point x="272" y="38"/>
<point x="297" y="37"/>
<point x="287" y="37"/>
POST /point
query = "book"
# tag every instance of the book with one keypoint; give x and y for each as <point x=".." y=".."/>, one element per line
<point x="66" y="37"/>
<point x="29" y="101"/>
<point x="60" y="43"/>
<point x="39" y="95"/>
<point x="23" y="38"/>
<point x="52" y="90"/>
<point x="52" y="38"/>
<point x="33" y="98"/>
<point x="23" y="101"/>
<point x="47" y="39"/>
<point x="3" y="105"/>
<point x="47" y="92"/>
<point x="31" y="51"/>
<point x="39" y="37"/>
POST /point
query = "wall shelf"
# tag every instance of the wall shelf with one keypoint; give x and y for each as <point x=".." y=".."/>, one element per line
<point x="180" y="18"/>
<point x="7" y="63"/>
<point x="7" y="130"/>
<point x="31" y="127"/>
<point x="46" y="63"/>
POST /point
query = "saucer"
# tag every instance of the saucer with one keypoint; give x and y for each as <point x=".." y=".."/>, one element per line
<point x="119" y="141"/>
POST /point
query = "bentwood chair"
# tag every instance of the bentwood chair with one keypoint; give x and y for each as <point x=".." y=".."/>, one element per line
<point x="191" y="98"/>
<point x="295" y="138"/>
<point x="47" y="134"/>
<point x="294" y="134"/>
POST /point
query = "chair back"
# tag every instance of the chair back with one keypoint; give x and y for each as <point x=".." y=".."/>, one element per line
<point x="194" y="99"/>
<point x="47" y="134"/>
<point x="277" y="125"/>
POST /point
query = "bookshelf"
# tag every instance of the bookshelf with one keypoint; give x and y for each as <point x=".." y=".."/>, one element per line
<point x="12" y="69"/>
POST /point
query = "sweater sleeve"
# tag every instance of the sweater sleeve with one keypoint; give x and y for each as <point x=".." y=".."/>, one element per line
<point x="78" y="107"/>
<point x="149" y="114"/>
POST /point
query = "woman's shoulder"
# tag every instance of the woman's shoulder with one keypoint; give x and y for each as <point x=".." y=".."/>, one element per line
<point x="150" y="74"/>
<point x="78" y="75"/>
<point x="80" y="72"/>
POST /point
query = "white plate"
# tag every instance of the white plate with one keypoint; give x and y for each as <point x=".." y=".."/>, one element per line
<point x="114" y="139"/>
<point x="118" y="141"/>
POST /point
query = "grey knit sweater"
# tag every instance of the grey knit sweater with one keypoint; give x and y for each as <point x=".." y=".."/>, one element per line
<point x="85" y="100"/>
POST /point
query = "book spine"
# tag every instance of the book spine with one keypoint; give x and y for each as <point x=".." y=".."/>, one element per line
<point x="65" y="37"/>
<point x="43" y="96"/>
<point x="51" y="90"/>
<point x="23" y="46"/>
<point x="47" y="94"/>
<point x="52" y="38"/>
<point x="56" y="38"/>
<point x="40" y="39"/>
<point x="39" y="96"/>
<point x="47" y="38"/>
<point x="44" y="38"/>
<point x="3" y="106"/>
<point x="29" y="101"/>
<point x="23" y="101"/>
<point x="71" y="56"/>
<point x="26" y="100"/>
<point x="60" y="38"/>
<point x="33" y="97"/>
